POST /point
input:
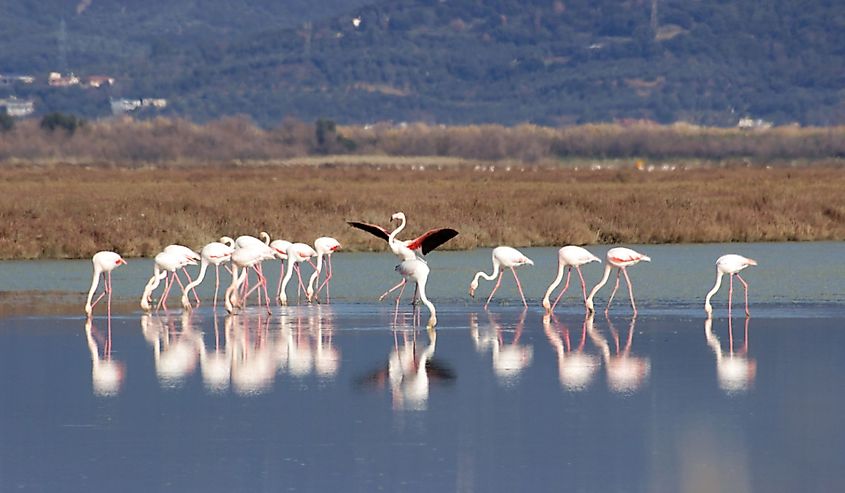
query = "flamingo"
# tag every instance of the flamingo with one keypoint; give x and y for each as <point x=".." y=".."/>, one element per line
<point x="244" y="258"/>
<point x="189" y="255"/>
<point x="569" y="256"/>
<point x="104" y="262"/>
<point x="244" y="241"/>
<point x="325" y="246"/>
<point x="164" y="262"/>
<point x="281" y="248"/>
<point x="297" y="253"/>
<point x="621" y="258"/>
<point x="215" y="253"/>
<point x="247" y="241"/>
<point x="417" y="270"/>
<point x="503" y="256"/>
<point x="729" y="264"/>
<point x="408" y="249"/>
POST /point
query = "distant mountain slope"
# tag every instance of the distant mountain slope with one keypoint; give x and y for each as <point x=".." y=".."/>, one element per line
<point x="109" y="36"/>
<point x="450" y="61"/>
<point x="542" y="61"/>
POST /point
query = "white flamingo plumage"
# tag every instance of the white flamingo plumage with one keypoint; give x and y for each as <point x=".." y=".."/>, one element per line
<point x="189" y="255"/>
<point x="104" y="262"/>
<point x="503" y="257"/>
<point x="569" y="256"/>
<point x="620" y="258"/>
<point x="729" y="264"/>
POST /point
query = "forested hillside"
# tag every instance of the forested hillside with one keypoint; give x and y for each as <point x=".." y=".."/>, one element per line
<point x="507" y="61"/>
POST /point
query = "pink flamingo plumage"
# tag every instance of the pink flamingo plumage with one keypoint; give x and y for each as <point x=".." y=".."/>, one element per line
<point x="104" y="262"/>
<point x="507" y="257"/>
<point x="729" y="264"/>
<point x="621" y="258"/>
<point x="569" y="256"/>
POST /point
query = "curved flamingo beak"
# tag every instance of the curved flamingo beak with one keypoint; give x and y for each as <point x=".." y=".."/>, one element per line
<point x="751" y="261"/>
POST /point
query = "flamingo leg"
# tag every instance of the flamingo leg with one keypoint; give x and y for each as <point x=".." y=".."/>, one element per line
<point x="519" y="286"/>
<point x="302" y="289"/>
<point x="194" y="289"/>
<point x="162" y="303"/>
<point x="328" y="276"/>
<point x="744" y="284"/>
<point x="498" y="282"/>
<point x="565" y="286"/>
<point x="394" y="288"/>
<point x="396" y="310"/>
<point x="216" y="283"/>
<point x="583" y="284"/>
<point x="107" y="287"/>
<point x="730" y="295"/>
<point x="613" y="293"/>
<point x="630" y="290"/>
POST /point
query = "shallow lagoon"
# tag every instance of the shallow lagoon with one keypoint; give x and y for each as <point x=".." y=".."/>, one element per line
<point x="348" y="396"/>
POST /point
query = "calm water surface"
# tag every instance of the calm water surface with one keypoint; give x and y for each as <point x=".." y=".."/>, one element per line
<point x="351" y="397"/>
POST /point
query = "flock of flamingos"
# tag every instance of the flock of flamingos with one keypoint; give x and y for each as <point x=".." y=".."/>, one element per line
<point x="247" y="253"/>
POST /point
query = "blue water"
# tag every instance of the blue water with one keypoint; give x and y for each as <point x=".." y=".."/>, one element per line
<point x="355" y="396"/>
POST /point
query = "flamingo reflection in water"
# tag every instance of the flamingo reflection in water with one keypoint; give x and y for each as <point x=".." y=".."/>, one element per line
<point x="106" y="373"/>
<point x="576" y="368"/>
<point x="175" y="351"/>
<point x="734" y="369"/>
<point x="509" y="358"/>
<point x="410" y="370"/>
<point x="216" y="362"/>
<point x="254" y="354"/>
<point x="307" y="345"/>
<point x="626" y="373"/>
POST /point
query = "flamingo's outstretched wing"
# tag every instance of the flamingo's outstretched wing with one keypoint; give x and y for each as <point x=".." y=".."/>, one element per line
<point x="432" y="239"/>
<point x="373" y="229"/>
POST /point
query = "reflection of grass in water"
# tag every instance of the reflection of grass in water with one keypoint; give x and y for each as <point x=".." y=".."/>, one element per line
<point x="71" y="211"/>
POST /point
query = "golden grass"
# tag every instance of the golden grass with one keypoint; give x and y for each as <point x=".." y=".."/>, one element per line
<point x="66" y="211"/>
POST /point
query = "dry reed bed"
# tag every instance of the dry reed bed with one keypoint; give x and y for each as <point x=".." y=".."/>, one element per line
<point x="73" y="211"/>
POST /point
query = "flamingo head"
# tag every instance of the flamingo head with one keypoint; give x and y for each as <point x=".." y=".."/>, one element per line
<point x="751" y="261"/>
<point x="120" y="261"/>
<point x="472" y="287"/>
<point x="547" y="306"/>
<point x="399" y="216"/>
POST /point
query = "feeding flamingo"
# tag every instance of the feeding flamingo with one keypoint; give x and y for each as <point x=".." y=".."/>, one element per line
<point x="104" y="262"/>
<point x="215" y="253"/>
<point x="729" y="264"/>
<point x="325" y="246"/>
<point x="297" y="253"/>
<point x="503" y="256"/>
<point x="189" y="255"/>
<point x="244" y="258"/>
<point x="164" y="262"/>
<point x="621" y="258"/>
<point x="281" y="248"/>
<point x="569" y="256"/>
